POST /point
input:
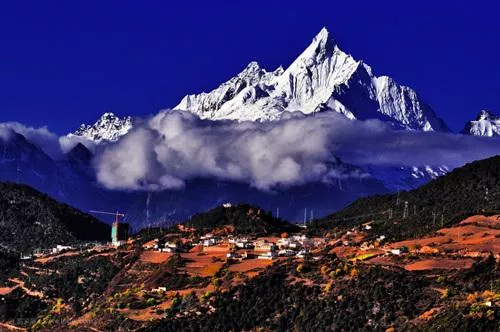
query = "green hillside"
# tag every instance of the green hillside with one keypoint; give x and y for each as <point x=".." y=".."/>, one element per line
<point x="471" y="189"/>
<point x="30" y="219"/>
<point x="244" y="218"/>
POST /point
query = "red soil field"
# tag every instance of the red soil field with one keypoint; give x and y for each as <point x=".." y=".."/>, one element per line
<point x="6" y="290"/>
<point x="204" y="265"/>
<point x="477" y="234"/>
<point x="440" y="263"/>
<point x="217" y="249"/>
<point x="250" y="264"/>
<point x="155" y="257"/>
<point x="48" y="259"/>
<point x="343" y="252"/>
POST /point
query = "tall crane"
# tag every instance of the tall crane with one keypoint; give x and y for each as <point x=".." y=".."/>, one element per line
<point x="119" y="232"/>
<point x="117" y="214"/>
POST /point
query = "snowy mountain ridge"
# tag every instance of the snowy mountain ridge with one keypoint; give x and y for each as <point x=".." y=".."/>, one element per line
<point x="486" y="124"/>
<point x="322" y="78"/>
<point x="108" y="128"/>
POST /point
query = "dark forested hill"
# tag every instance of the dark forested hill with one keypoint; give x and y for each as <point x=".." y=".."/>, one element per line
<point x="30" y="219"/>
<point x="471" y="189"/>
<point x="244" y="218"/>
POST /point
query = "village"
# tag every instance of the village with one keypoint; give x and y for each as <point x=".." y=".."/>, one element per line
<point x="473" y="237"/>
<point x="205" y="262"/>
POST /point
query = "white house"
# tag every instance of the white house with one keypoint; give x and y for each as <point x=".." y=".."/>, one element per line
<point x="396" y="252"/>
<point x="286" y="253"/>
<point x="267" y="255"/>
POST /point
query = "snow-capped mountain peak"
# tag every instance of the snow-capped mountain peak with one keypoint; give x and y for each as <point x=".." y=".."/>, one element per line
<point x="108" y="128"/>
<point x="486" y="124"/>
<point x="486" y="115"/>
<point x="323" y="77"/>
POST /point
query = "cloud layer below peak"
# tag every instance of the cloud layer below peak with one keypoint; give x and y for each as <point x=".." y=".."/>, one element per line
<point x="172" y="147"/>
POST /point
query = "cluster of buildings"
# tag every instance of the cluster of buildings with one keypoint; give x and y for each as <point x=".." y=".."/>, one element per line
<point x="263" y="248"/>
<point x="58" y="249"/>
<point x="162" y="245"/>
<point x="240" y="247"/>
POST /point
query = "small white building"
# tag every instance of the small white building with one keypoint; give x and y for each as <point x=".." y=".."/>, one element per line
<point x="244" y="245"/>
<point x="268" y="255"/>
<point x="207" y="242"/>
<point x="25" y="257"/>
<point x="301" y="254"/>
<point x="396" y="252"/>
<point x="60" y="248"/>
<point x="264" y="246"/>
<point x="286" y="253"/>
<point x="399" y="251"/>
<point x="234" y="255"/>
<point x="167" y="249"/>
<point x="159" y="290"/>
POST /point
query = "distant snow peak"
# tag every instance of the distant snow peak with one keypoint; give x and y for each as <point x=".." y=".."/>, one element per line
<point x="486" y="124"/>
<point x="323" y="77"/>
<point x="109" y="128"/>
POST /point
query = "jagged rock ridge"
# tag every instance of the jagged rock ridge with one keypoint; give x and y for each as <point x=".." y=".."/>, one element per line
<point x="109" y="128"/>
<point x="486" y="124"/>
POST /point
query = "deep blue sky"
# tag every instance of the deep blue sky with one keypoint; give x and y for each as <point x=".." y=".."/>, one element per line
<point x="63" y="63"/>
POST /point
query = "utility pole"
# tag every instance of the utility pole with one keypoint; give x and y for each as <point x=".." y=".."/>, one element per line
<point x="18" y="174"/>
<point x="486" y="197"/>
<point x="405" y="211"/>
<point x="311" y="217"/>
<point x="305" y="216"/>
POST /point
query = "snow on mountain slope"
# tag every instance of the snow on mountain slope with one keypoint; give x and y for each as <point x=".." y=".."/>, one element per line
<point x="486" y="124"/>
<point x="405" y="178"/>
<point x="109" y="128"/>
<point x="322" y="78"/>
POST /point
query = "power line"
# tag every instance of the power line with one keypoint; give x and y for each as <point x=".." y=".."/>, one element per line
<point x="364" y="215"/>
